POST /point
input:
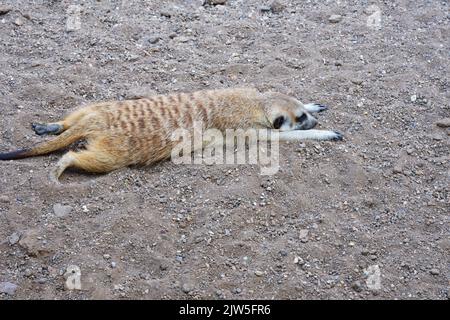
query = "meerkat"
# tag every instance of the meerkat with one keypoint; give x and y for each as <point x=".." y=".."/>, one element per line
<point x="138" y="132"/>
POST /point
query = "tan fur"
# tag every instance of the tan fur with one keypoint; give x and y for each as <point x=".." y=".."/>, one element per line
<point x="123" y="133"/>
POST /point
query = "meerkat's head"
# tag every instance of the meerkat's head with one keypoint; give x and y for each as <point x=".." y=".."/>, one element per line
<point x="287" y="113"/>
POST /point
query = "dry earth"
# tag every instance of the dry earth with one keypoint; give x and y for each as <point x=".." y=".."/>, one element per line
<point x="315" y="230"/>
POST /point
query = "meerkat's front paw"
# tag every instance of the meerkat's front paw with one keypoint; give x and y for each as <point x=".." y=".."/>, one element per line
<point x="329" y="135"/>
<point x="315" y="107"/>
<point x="337" y="136"/>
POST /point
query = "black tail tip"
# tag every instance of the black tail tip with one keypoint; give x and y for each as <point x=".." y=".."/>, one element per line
<point x="18" y="154"/>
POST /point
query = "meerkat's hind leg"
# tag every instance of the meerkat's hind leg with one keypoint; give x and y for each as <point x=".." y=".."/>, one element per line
<point x="315" y="107"/>
<point x="47" y="128"/>
<point x="66" y="161"/>
<point x="97" y="161"/>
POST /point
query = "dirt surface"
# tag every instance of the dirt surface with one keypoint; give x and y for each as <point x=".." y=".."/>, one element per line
<point x="321" y="228"/>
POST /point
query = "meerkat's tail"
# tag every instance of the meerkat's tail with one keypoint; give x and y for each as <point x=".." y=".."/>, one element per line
<point x="63" y="140"/>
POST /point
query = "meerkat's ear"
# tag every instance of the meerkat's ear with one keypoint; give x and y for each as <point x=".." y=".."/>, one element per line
<point x="278" y="122"/>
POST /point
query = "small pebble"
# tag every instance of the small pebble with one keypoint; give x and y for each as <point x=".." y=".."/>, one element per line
<point x="14" y="238"/>
<point x="166" y="13"/>
<point x="335" y="18"/>
<point x="443" y="123"/>
<point x="357" y="286"/>
<point x="153" y="40"/>
<point x="18" y="22"/>
<point x="397" y="169"/>
<point x="299" y="261"/>
<point x="259" y="273"/>
<point x="4" y="199"/>
<point x="8" y="288"/>
<point x="435" y="272"/>
<point x="303" y="235"/>
<point x="357" y="81"/>
<point x="28" y="273"/>
<point x="216" y="2"/>
<point x="186" y="288"/>
<point x="5" y="9"/>
<point x="277" y="7"/>
<point x="61" y="211"/>
<point x="182" y="39"/>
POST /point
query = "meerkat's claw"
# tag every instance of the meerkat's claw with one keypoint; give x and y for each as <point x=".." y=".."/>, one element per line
<point x="315" y="107"/>
<point x="338" y="136"/>
<point x="322" y="108"/>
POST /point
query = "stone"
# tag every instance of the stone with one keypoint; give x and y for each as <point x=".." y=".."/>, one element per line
<point x="216" y="2"/>
<point x="18" y="22"/>
<point x="5" y="9"/>
<point x="303" y="235"/>
<point x="277" y="7"/>
<point x="357" y="286"/>
<point x="31" y="243"/>
<point x="187" y="287"/>
<point x="61" y="211"/>
<point x="443" y="123"/>
<point x="335" y="18"/>
<point x="4" y="199"/>
<point x="153" y="40"/>
<point x="259" y="273"/>
<point x="14" y="238"/>
<point x="8" y="288"/>
<point x="357" y="81"/>
<point x="435" y="272"/>
<point x="397" y="169"/>
<point x="166" y="13"/>
<point x="183" y="39"/>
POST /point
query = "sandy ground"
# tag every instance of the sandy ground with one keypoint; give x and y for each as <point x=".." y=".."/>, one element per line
<point x="338" y="217"/>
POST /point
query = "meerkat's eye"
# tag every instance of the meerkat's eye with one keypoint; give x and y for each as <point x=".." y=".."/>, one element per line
<point x="278" y="122"/>
<point x="301" y="118"/>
